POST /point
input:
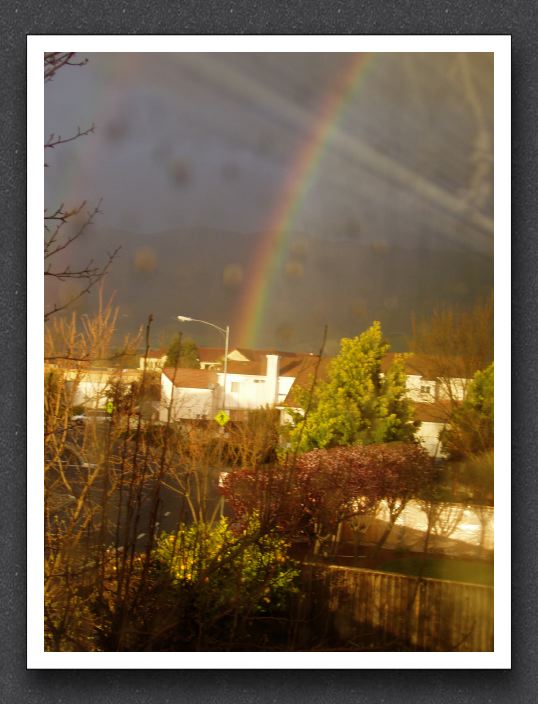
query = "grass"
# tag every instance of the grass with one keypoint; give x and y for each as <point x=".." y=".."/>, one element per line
<point x="472" y="571"/>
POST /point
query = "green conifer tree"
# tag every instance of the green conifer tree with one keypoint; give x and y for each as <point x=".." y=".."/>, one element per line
<point x="470" y="431"/>
<point x="183" y="353"/>
<point x="358" y="403"/>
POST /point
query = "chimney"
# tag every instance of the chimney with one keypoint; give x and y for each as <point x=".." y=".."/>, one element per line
<point x="271" y="383"/>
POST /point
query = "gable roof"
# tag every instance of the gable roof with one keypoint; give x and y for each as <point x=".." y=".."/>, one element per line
<point x="304" y="369"/>
<point x="210" y="354"/>
<point x="290" y="366"/>
<point x="216" y="354"/>
<point x="258" y="367"/>
<point x="254" y="355"/>
<point x="427" y="366"/>
<point x="304" y="376"/>
<point x="192" y="378"/>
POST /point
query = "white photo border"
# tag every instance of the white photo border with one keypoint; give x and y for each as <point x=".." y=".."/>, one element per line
<point x="500" y="46"/>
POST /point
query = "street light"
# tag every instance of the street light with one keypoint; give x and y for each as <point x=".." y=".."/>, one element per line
<point x="226" y="332"/>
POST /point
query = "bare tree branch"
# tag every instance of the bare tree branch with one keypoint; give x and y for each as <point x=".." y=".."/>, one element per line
<point x="92" y="277"/>
<point x="61" y="225"/>
<point x="62" y="217"/>
<point x="54" y="140"/>
<point x="54" y="60"/>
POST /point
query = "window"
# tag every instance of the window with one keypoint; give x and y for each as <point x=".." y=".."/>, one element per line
<point x="259" y="381"/>
<point x="235" y="386"/>
<point x="425" y="389"/>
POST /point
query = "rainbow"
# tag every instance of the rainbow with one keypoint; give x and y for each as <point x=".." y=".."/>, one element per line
<point x="269" y="256"/>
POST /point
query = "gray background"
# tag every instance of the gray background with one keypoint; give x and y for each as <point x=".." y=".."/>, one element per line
<point x="272" y="17"/>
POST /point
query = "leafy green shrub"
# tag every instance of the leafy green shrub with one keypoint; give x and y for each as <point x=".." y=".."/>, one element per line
<point x="223" y="571"/>
<point x="470" y="431"/>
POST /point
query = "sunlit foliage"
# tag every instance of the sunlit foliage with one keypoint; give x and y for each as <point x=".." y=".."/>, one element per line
<point x="357" y="404"/>
<point x="182" y="353"/>
<point x="327" y="487"/>
<point x="471" y="424"/>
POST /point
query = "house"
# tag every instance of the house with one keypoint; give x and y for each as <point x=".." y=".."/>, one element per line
<point x="189" y="394"/>
<point x="249" y="384"/>
<point x="432" y="396"/>
<point x="257" y="383"/>
<point x="435" y="385"/>
<point x="154" y="361"/>
<point x="213" y="357"/>
<point x="210" y="357"/>
<point x="427" y="379"/>
<point x="90" y="385"/>
<point x="258" y="378"/>
<point x="433" y="419"/>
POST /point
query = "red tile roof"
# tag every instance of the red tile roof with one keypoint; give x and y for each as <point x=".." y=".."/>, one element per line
<point x="288" y="366"/>
<point x="256" y="355"/>
<point x="426" y="366"/>
<point x="210" y="354"/>
<point x="216" y="354"/>
<point x="413" y="364"/>
<point x="304" y="376"/>
<point x="192" y="378"/>
<point x="258" y="367"/>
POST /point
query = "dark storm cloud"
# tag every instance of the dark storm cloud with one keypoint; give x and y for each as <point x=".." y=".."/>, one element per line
<point x="199" y="148"/>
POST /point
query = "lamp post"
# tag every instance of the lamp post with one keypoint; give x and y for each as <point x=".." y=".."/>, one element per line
<point x="226" y="332"/>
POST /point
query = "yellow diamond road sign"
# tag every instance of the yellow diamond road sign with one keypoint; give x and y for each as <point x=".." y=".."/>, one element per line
<point x="222" y="418"/>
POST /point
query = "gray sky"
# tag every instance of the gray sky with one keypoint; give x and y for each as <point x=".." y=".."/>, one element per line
<point x="190" y="141"/>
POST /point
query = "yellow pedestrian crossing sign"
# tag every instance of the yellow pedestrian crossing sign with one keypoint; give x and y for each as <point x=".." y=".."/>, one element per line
<point x="109" y="407"/>
<point x="222" y="418"/>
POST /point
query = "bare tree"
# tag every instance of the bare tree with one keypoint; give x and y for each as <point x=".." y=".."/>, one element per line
<point x="65" y="224"/>
<point x="451" y="346"/>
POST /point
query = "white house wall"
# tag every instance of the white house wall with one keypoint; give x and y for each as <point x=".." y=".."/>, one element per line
<point x="152" y="363"/>
<point x="245" y="391"/>
<point x="419" y="389"/>
<point x="428" y="436"/>
<point x="187" y="403"/>
<point x="284" y="386"/>
<point x="249" y="391"/>
<point x="252" y="391"/>
<point x="452" y="389"/>
<point x="236" y="356"/>
<point x="91" y="393"/>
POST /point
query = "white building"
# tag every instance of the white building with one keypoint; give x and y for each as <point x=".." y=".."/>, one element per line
<point x="258" y="378"/>
<point x="256" y="384"/>
<point x="154" y="361"/>
<point x="188" y="394"/>
<point x="426" y="378"/>
<point x="200" y="393"/>
<point x="432" y="396"/>
<point x="433" y="418"/>
<point x="424" y="390"/>
<point x="91" y="386"/>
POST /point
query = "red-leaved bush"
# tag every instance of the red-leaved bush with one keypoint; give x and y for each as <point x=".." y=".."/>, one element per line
<point x="326" y="487"/>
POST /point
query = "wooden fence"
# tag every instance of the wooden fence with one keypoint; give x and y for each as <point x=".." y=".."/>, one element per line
<point x="399" y="610"/>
